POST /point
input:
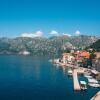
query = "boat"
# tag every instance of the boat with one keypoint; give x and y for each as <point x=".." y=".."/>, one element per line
<point x="94" y="85"/>
<point x="87" y="76"/>
<point x="83" y="85"/>
<point x="92" y="80"/>
<point x="56" y="61"/>
<point x="94" y="72"/>
<point x="70" y="72"/>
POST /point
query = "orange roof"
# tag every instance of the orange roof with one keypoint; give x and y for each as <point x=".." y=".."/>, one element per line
<point x="85" y="54"/>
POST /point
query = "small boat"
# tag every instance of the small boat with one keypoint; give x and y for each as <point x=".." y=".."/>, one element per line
<point x="70" y="72"/>
<point x="83" y="85"/>
<point x="94" y="72"/>
<point x="87" y="76"/>
<point x="94" y="85"/>
<point x="56" y="61"/>
<point x="92" y="80"/>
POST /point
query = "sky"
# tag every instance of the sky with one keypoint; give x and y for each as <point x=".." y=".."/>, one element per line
<point x="49" y="17"/>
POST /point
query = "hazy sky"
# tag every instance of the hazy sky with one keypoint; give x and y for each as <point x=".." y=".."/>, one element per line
<point x="49" y="16"/>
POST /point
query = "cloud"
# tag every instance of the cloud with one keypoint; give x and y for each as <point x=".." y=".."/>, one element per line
<point x="69" y="35"/>
<point x="55" y="33"/>
<point x="39" y="33"/>
<point x="32" y="35"/>
<point x="77" y="32"/>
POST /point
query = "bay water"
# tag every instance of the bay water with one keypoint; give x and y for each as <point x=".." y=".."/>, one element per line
<point x="35" y="78"/>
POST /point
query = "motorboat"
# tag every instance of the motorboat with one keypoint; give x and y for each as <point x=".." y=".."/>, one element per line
<point x="87" y="76"/>
<point x="94" y="85"/>
<point x="83" y="85"/>
<point x="92" y="80"/>
<point x="70" y="72"/>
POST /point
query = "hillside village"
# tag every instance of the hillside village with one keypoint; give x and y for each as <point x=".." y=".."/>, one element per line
<point x="85" y="62"/>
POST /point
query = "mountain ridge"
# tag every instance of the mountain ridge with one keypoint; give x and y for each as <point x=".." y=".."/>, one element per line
<point x="45" y="46"/>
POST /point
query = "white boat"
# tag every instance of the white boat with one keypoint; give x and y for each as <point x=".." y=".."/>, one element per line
<point x="94" y="72"/>
<point x="56" y="61"/>
<point x="70" y="72"/>
<point x="92" y="80"/>
<point x="87" y="76"/>
<point x="94" y="85"/>
<point x="83" y="85"/>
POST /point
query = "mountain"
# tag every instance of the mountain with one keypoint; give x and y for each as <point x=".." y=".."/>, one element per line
<point x="96" y="45"/>
<point x="44" y="46"/>
<point x="83" y="40"/>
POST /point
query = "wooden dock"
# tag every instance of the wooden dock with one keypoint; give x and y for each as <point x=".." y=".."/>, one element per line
<point x="75" y="80"/>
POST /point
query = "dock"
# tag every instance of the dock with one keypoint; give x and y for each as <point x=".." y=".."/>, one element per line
<point x="96" y="97"/>
<point x="75" y="80"/>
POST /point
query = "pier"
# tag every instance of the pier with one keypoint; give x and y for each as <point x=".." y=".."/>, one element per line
<point x="75" y="80"/>
<point x="96" y="97"/>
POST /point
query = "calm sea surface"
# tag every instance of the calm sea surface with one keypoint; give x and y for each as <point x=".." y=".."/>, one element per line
<point x="35" y="78"/>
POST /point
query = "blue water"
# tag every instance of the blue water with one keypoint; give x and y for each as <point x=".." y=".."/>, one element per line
<point x="34" y="78"/>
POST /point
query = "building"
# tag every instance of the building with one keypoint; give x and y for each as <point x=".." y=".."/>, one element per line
<point x="67" y="58"/>
<point x="24" y="52"/>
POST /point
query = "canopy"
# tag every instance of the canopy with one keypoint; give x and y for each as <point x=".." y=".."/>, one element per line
<point x="83" y="82"/>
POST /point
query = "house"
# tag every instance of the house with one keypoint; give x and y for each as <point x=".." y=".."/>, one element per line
<point x="85" y="54"/>
<point x="24" y="52"/>
<point x="67" y="58"/>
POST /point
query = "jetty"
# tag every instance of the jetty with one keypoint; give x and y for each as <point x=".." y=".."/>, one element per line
<point x="96" y="97"/>
<point x="75" y="80"/>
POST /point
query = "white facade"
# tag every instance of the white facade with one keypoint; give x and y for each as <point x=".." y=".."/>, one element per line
<point x="25" y="53"/>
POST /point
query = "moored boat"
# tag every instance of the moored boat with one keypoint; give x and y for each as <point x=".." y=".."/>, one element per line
<point x="87" y="76"/>
<point x="92" y="80"/>
<point x="94" y="85"/>
<point x="83" y="85"/>
<point x="70" y="72"/>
